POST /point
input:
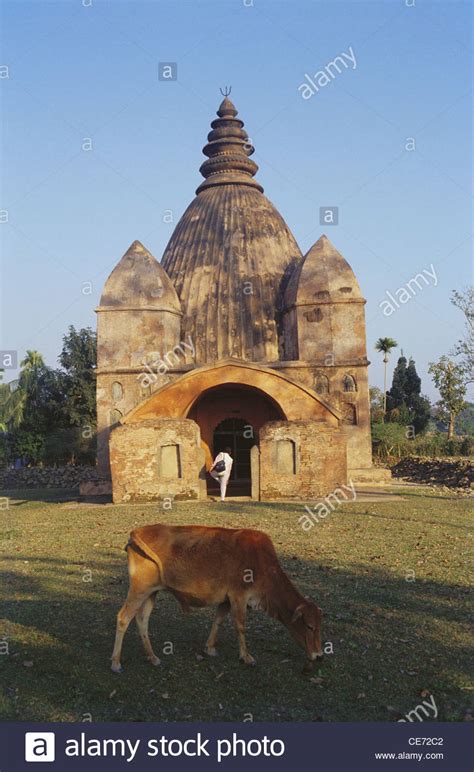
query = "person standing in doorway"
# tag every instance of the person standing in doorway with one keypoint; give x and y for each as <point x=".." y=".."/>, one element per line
<point x="221" y="469"/>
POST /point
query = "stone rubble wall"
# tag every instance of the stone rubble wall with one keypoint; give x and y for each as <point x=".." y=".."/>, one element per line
<point x="452" y="473"/>
<point x="47" y="476"/>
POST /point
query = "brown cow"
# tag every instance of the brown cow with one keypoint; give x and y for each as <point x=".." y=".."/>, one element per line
<point x="232" y="568"/>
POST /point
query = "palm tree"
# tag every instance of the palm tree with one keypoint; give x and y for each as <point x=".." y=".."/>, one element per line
<point x="385" y="345"/>
<point x="13" y="396"/>
<point x="12" y="405"/>
<point x="32" y="366"/>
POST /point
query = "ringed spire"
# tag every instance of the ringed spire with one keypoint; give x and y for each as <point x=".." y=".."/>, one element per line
<point x="228" y="149"/>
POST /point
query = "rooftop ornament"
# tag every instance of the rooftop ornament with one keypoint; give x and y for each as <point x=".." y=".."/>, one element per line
<point x="228" y="150"/>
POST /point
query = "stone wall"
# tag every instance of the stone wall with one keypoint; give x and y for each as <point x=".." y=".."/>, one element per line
<point x="47" y="476"/>
<point x="156" y="459"/>
<point x="301" y="460"/>
<point x="449" y="472"/>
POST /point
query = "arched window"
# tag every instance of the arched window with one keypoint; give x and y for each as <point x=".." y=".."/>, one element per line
<point x="321" y="384"/>
<point x="117" y="391"/>
<point x="349" y="383"/>
<point x="114" y="417"/>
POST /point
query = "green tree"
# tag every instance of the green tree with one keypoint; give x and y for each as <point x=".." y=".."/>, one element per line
<point x="396" y="397"/>
<point x="12" y="405"/>
<point x="384" y="346"/>
<point x="77" y="379"/>
<point x="41" y="386"/>
<point x="3" y="426"/>
<point x="50" y="414"/>
<point x="405" y="403"/>
<point x="465" y="420"/>
<point x="419" y="407"/>
<point x="22" y="399"/>
<point x="450" y="380"/>
<point x="465" y="347"/>
<point x="420" y="413"/>
<point x="34" y="384"/>
<point x="27" y="407"/>
<point x="412" y="382"/>
<point x="376" y="405"/>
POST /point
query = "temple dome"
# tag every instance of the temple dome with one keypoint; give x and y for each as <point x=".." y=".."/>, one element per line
<point x="322" y="276"/>
<point x="139" y="281"/>
<point x="230" y="253"/>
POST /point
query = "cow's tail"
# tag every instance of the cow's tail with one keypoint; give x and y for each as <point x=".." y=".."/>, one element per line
<point x="136" y="543"/>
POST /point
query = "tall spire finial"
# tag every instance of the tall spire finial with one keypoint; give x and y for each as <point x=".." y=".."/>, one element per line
<point x="228" y="150"/>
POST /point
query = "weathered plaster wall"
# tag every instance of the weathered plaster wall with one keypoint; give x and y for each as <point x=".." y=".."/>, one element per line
<point x="138" y="321"/>
<point x="117" y="393"/>
<point x="359" y="446"/>
<point x="295" y="401"/>
<point x="320" y="460"/>
<point x="326" y="331"/>
<point x="145" y="467"/>
<point x="127" y="337"/>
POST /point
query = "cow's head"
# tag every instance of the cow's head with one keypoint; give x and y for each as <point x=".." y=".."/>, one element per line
<point x="305" y="627"/>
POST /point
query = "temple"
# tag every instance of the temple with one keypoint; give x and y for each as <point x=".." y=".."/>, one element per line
<point x="233" y="339"/>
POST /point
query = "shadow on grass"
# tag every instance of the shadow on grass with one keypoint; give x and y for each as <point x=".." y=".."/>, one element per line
<point x="418" y="490"/>
<point x="48" y="495"/>
<point x="407" y="519"/>
<point x="386" y="640"/>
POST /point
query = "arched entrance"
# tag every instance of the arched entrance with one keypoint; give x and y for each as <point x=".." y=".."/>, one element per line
<point x="290" y="399"/>
<point x="232" y="414"/>
<point x="211" y="394"/>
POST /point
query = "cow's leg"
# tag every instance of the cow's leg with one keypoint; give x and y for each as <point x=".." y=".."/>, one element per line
<point x="124" y="617"/>
<point x="239" y="610"/>
<point x="144" y="580"/>
<point x="143" y="617"/>
<point x="222" y="611"/>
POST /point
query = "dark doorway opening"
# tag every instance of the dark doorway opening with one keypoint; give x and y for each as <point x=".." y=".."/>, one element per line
<point x="233" y="414"/>
<point x="237" y="434"/>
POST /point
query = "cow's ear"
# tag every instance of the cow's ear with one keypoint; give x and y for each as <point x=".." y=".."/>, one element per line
<point x="298" y="612"/>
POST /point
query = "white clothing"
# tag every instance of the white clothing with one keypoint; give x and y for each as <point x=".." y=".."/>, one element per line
<point x="222" y="477"/>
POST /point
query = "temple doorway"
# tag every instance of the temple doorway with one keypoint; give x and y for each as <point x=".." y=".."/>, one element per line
<point x="232" y="415"/>
<point x="237" y="434"/>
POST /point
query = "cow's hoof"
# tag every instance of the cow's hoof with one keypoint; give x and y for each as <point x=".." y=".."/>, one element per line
<point x="248" y="659"/>
<point x="155" y="661"/>
<point x="211" y="651"/>
<point x="117" y="668"/>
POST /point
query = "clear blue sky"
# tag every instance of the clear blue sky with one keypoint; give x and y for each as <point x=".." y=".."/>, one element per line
<point x="80" y="69"/>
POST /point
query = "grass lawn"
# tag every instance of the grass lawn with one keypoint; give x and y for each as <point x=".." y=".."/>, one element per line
<point x="392" y="578"/>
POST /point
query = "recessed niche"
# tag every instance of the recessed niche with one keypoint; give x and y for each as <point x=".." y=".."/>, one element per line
<point x="315" y="315"/>
<point x="286" y="457"/>
<point x="170" y="461"/>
